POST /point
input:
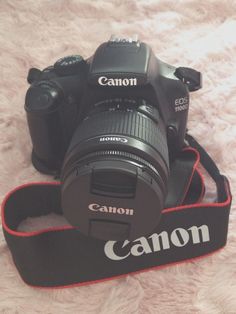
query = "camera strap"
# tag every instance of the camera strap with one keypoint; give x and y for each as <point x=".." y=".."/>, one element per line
<point x="63" y="257"/>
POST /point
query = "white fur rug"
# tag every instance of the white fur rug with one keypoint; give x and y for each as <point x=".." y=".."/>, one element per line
<point x="196" y="33"/>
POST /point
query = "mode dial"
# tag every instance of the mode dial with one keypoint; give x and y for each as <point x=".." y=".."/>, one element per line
<point x="69" y="65"/>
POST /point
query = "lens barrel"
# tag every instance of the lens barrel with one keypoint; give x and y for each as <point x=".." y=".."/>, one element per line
<point x="115" y="173"/>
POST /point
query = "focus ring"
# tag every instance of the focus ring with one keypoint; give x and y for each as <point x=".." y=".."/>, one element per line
<point x="112" y="154"/>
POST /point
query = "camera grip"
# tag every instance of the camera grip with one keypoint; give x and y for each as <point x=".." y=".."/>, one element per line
<point x="43" y="109"/>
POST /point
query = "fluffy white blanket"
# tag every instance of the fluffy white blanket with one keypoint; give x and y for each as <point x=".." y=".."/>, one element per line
<point x="196" y="33"/>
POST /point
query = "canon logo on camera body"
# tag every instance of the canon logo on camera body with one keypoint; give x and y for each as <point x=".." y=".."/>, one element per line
<point x="111" y="209"/>
<point x="103" y="80"/>
<point x="157" y="242"/>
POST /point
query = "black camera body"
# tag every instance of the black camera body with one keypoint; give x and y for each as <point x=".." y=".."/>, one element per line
<point x="110" y="126"/>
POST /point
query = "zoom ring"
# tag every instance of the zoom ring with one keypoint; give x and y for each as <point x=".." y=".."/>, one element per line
<point x="125" y="123"/>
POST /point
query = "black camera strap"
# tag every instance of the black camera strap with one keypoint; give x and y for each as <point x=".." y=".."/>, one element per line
<point x="63" y="257"/>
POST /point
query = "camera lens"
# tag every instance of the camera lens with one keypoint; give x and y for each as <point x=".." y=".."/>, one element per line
<point x="115" y="172"/>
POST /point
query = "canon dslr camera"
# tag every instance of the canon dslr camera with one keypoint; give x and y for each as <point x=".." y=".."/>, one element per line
<point x="110" y="126"/>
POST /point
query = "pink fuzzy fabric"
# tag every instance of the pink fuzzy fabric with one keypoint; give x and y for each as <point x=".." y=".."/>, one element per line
<point x="197" y="33"/>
